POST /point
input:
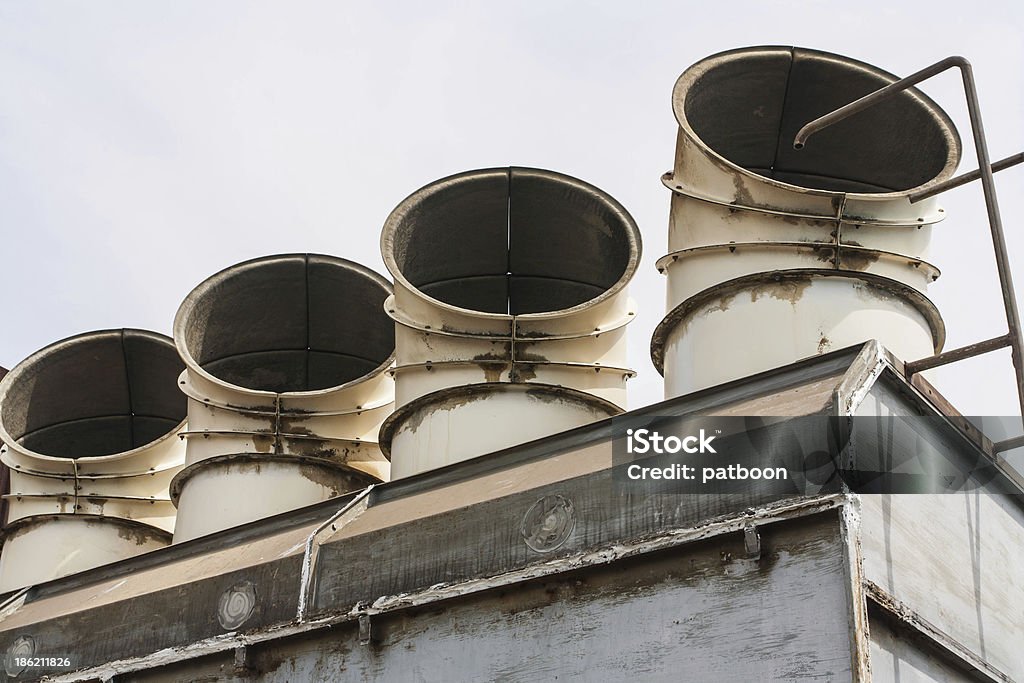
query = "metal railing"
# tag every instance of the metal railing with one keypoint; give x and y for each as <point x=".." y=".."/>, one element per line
<point x="985" y="172"/>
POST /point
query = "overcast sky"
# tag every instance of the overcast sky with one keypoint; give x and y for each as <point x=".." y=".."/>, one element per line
<point x="146" y="145"/>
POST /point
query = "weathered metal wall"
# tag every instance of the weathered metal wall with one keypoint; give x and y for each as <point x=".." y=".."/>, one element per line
<point x="701" y="612"/>
<point x="537" y="562"/>
<point x="896" y="657"/>
<point x="955" y="560"/>
<point x="958" y="562"/>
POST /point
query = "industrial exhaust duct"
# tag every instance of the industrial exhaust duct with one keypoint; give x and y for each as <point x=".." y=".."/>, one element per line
<point x="778" y="253"/>
<point x="510" y="312"/>
<point x="89" y="426"/>
<point x="286" y="376"/>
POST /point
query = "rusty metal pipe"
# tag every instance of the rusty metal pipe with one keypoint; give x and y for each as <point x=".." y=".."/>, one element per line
<point x="969" y="177"/>
<point x="954" y="355"/>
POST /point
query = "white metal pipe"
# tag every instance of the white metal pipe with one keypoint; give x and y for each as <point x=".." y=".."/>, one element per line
<point x="45" y="548"/>
<point x="90" y="429"/>
<point x="510" y="312"/>
<point x="286" y="376"/>
<point x="803" y="250"/>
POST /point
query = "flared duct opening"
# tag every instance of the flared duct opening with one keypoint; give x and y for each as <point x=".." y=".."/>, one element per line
<point x="97" y="394"/>
<point x="747" y="106"/>
<point x="285" y="324"/>
<point x="511" y="241"/>
<point x="89" y="426"/>
<point x="287" y="382"/>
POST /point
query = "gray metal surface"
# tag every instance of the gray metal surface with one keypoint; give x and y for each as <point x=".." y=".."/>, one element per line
<point x="898" y="658"/>
<point x="955" y="560"/>
<point x="436" y="574"/>
<point x="666" y="618"/>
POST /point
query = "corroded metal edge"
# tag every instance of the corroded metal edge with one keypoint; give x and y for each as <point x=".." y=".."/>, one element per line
<point x="409" y="204"/>
<point x="470" y="392"/>
<point x="218" y="278"/>
<point x="226" y="461"/>
<point x="26" y="524"/>
<point x="692" y="73"/>
<point x="732" y="287"/>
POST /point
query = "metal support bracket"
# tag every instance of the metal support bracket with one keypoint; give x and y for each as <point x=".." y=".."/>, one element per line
<point x="752" y="543"/>
<point x="365" y="629"/>
<point x="962" y="353"/>
<point x="965" y="178"/>
<point x="243" y="665"/>
<point x="985" y="173"/>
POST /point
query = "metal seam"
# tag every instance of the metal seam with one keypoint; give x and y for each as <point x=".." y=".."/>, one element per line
<point x="663" y="263"/>
<point x="309" y="557"/>
<point x="668" y="181"/>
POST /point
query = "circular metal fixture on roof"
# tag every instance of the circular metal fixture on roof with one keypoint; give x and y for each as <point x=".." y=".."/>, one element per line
<point x="548" y="523"/>
<point x="511" y="241"/>
<point x="293" y="323"/>
<point x="807" y="250"/>
<point x="96" y="394"/>
<point x="236" y="605"/>
<point x="504" y="278"/>
<point x="745" y="106"/>
<point x="89" y="426"/>
<point x="286" y="376"/>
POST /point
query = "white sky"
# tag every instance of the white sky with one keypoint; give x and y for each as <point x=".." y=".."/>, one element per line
<point x="146" y="145"/>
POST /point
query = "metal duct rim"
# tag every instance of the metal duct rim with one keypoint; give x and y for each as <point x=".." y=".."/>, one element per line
<point x="628" y="373"/>
<point x="396" y="218"/>
<point x="182" y="477"/>
<point x="680" y="254"/>
<point x="514" y="333"/>
<point x="484" y="389"/>
<point x="266" y="411"/>
<point x="691" y="76"/>
<point x="735" y="286"/>
<point x="76" y="473"/>
<point x="188" y="306"/>
<point x="18" y="526"/>
<point x="64" y="464"/>
<point x="668" y="179"/>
